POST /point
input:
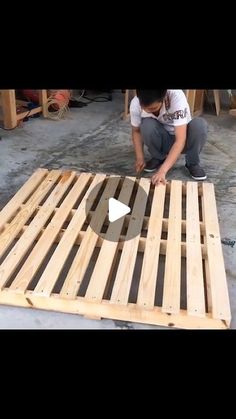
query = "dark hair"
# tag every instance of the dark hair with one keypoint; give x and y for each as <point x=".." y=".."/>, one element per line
<point x="147" y="97"/>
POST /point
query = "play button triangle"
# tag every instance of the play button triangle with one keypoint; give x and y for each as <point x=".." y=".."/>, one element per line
<point x="117" y="209"/>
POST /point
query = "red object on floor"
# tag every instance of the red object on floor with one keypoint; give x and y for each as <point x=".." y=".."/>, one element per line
<point x="62" y="96"/>
<point x="31" y="95"/>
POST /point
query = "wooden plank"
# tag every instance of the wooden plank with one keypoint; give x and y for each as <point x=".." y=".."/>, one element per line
<point x="145" y="221"/>
<point x="195" y="281"/>
<point x="9" y="108"/>
<point x="58" y="259"/>
<point x="82" y="258"/>
<point x="12" y="206"/>
<point x="101" y="238"/>
<point x="219" y="289"/>
<point x="232" y="112"/>
<point x="127" y="94"/>
<point x="199" y="102"/>
<point x="31" y="112"/>
<point x="147" y="285"/>
<point x="190" y="95"/>
<point x="171" y="292"/>
<point x="130" y="312"/>
<point x="195" y="100"/>
<point x="43" y="101"/>
<point x="103" y="267"/>
<point x="206" y="266"/>
<point x="20" y="102"/>
<point x="168" y="187"/>
<point x="216" y="94"/>
<point x="121" y="289"/>
<point x="126" y="112"/>
<point x="36" y="257"/>
<point x="11" y="231"/>
<point x="17" y="253"/>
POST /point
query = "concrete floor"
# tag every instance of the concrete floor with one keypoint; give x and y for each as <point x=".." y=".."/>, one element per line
<point x="95" y="138"/>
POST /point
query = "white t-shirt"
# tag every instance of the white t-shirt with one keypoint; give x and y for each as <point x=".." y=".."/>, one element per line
<point x="174" y="111"/>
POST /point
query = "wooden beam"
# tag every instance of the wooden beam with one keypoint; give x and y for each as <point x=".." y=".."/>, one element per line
<point x="9" y="109"/>
<point x="43" y="101"/>
<point x="216" y="94"/>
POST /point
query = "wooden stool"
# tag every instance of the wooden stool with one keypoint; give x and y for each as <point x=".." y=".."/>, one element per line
<point x="195" y="100"/>
<point x="8" y="103"/>
<point x="216" y="94"/>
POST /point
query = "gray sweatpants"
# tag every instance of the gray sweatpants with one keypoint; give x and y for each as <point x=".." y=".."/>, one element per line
<point x="159" y="141"/>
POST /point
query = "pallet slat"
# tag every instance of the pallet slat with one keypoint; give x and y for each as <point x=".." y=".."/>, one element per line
<point x="147" y="285"/>
<point x="206" y="267"/>
<point x="103" y="267"/>
<point x="171" y="293"/>
<point x="219" y="289"/>
<point x="195" y="280"/>
<point x="56" y="207"/>
<point x="129" y="312"/>
<point x="121" y="288"/>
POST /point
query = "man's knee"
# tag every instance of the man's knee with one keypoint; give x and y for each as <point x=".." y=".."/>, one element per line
<point x="198" y="126"/>
<point x="149" y="129"/>
<point x="148" y="125"/>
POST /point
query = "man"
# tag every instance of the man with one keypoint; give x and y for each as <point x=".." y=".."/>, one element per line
<point x="161" y="119"/>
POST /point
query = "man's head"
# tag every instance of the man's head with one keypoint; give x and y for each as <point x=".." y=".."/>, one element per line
<point x="151" y="100"/>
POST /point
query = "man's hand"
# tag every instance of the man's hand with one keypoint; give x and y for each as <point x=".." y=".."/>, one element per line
<point x="140" y="164"/>
<point x="159" y="178"/>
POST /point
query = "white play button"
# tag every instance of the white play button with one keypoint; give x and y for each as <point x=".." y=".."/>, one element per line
<point x="101" y="199"/>
<point x="117" y="209"/>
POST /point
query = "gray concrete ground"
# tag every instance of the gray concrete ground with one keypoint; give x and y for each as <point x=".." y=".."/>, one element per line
<point x="95" y="138"/>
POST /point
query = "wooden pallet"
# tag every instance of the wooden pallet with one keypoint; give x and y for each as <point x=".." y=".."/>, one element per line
<point x="171" y="274"/>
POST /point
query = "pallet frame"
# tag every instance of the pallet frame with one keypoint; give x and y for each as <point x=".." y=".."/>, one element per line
<point x="32" y="222"/>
